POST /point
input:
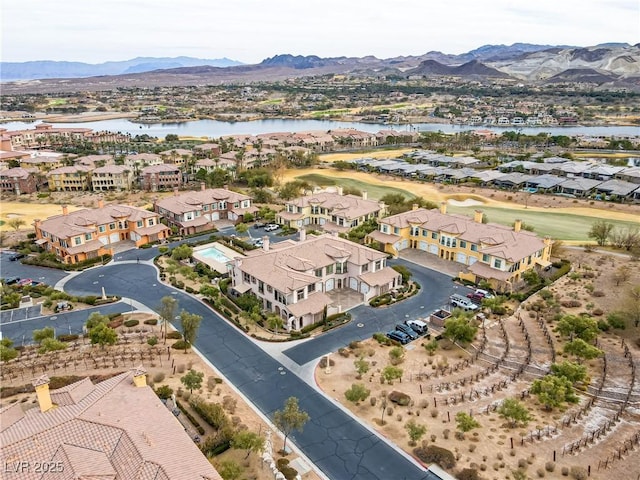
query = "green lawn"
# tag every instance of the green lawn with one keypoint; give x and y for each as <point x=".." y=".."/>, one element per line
<point x="564" y="226"/>
<point x="374" y="192"/>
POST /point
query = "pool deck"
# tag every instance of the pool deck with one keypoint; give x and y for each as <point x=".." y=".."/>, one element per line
<point x="215" y="265"/>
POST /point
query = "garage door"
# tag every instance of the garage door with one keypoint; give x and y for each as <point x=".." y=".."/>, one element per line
<point x="329" y="285"/>
<point x="401" y="245"/>
<point x="472" y="260"/>
<point x="215" y="216"/>
<point x="423" y="246"/>
<point x="114" y="237"/>
<point x="461" y="258"/>
<point x="433" y="249"/>
<point x="353" y="284"/>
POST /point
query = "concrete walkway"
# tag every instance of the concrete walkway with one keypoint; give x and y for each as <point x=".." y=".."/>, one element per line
<point x="431" y="261"/>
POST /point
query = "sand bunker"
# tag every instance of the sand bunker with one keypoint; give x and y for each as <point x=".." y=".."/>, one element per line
<point x="469" y="202"/>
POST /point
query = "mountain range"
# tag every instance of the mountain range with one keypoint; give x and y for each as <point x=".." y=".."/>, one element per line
<point x="611" y="64"/>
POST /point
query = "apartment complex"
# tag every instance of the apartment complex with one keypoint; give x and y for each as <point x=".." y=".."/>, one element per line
<point x="292" y="278"/>
<point x="116" y="429"/>
<point x="111" y="177"/>
<point x="193" y="212"/>
<point x="330" y="211"/>
<point x="17" y="181"/>
<point x="160" y="177"/>
<point x="491" y="252"/>
<point x="76" y="178"/>
<point x="89" y="233"/>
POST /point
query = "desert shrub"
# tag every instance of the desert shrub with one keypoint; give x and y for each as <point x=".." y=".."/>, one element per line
<point x="180" y="345"/>
<point x="229" y="403"/>
<point x="571" y="303"/>
<point x="578" y="473"/>
<point x="598" y="293"/>
<point x="68" y="338"/>
<point x="434" y="413"/>
<point x="151" y="321"/>
<point x="152" y="341"/>
<point x="445" y="433"/>
<point x="399" y="398"/>
<point x="131" y="323"/>
<point x="434" y="454"/>
<point x="540" y="472"/>
<point x="175" y="335"/>
<point x="468" y="474"/>
<point x="565" y="471"/>
<point x="550" y="466"/>
<point x="164" y="391"/>
<point x="372" y="401"/>
<point x="288" y="471"/>
<point x="522" y="463"/>
<point x="158" y="377"/>
<point x="472" y="447"/>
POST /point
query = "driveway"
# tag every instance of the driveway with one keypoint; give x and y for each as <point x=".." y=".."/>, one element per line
<point x="434" y="293"/>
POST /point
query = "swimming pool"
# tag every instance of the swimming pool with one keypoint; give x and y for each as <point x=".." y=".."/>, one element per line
<point x="214" y="254"/>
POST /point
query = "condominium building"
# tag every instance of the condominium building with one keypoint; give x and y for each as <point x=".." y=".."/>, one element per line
<point x="115" y="429"/>
<point x="17" y="181"/>
<point x="160" y="177"/>
<point x="196" y="211"/>
<point x="330" y="210"/>
<point x="89" y="233"/>
<point x="294" y="279"/>
<point x="485" y="251"/>
<point x="75" y="178"/>
<point x="111" y="177"/>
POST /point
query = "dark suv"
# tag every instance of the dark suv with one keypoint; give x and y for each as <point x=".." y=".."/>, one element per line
<point x="399" y="336"/>
<point x="407" y="330"/>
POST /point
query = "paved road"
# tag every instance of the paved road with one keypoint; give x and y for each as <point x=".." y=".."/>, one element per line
<point x="333" y="440"/>
<point x="435" y="292"/>
<point x="50" y="276"/>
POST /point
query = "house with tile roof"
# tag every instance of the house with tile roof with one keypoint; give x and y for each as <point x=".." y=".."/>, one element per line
<point x="160" y="177"/>
<point x="196" y="211"/>
<point x="330" y="210"/>
<point x="485" y="251"/>
<point x="89" y="233"/>
<point x="292" y="279"/>
<point x="116" y="429"/>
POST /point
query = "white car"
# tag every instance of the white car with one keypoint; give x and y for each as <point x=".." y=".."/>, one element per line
<point x="271" y="227"/>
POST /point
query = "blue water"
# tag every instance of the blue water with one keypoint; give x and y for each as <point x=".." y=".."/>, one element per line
<point x="214" y="129"/>
<point x="214" y="254"/>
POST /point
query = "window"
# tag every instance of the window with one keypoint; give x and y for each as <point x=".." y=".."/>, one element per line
<point x="365" y="268"/>
<point x="474" y="247"/>
<point x="378" y="264"/>
<point x="385" y="229"/>
<point x="485" y="257"/>
<point x="319" y="272"/>
<point x="112" y="226"/>
<point x="425" y="233"/>
<point x="87" y="236"/>
<point x="260" y="286"/>
<point x="396" y="230"/>
<point x="102" y="229"/>
<point x="311" y="288"/>
<point x="341" y="267"/>
<point x="463" y="244"/>
<point x="300" y="294"/>
<point x="205" y="208"/>
<point x="329" y="270"/>
<point x="269" y="288"/>
<point x="151" y="222"/>
<point x="246" y="277"/>
<point x="139" y="223"/>
<point x="434" y="235"/>
<point x="77" y="240"/>
<point x="497" y="263"/>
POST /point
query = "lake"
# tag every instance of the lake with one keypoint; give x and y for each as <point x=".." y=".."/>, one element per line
<point x="216" y="129"/>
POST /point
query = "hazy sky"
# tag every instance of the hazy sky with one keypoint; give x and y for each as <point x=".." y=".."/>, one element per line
<point x="95" y="31"/>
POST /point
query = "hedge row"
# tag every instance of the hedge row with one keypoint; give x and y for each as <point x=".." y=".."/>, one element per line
<point x="191" y="418"/>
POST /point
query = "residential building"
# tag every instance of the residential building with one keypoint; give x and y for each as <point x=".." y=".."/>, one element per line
<point x="491" y="252"/>
<point x="178" y="157"/>
<point x="330" y="210"/>
<point x="292" y="279"/>
<point x="160" y="177"/>
<point x="75" y="178"/>
<point x="116" y="429"/>
<point x="138" y="161"/>
<point x="196" y="211"/>
<point x="111" y="177"/>
<point x="89" y="233"/>
<point x="17" y="181"/>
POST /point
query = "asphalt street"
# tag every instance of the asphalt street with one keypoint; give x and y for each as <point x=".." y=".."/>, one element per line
<point x="333" y="440"/>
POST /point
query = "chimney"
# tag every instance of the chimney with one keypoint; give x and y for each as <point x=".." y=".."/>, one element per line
<point x="203" y="186"/>
<point x="225" y="186"/>
<point x="517" y="225"/>
<point x="37" y="223"/>
<point x="443" y="208"/>
<point x="365" y="195"/>
<point x="265" y="243"/>
<point x="41" y="385"/>
<point x="65" y="210"/>
<point x="477" y="216"/>
<point x="303" y="235"/>
<point x="175" y="191"/>
<point x="414" y="206"/>
<point x="100" y="203"/>
<point x="339" y="190"/>
<point x="139" y="376"/>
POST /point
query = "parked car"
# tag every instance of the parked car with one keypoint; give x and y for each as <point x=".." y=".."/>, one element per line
<point x="271" y="227"/>
<point x="259" y="225"/>
<point x="476" y="297"/>
<point x="418" y="326"/>
<point x="11" y="280"/>
<point x="16" y="256"/>
<point x="399" y="336"/>
<point x="406" y="329"/>
<point x="258" y="243"/>
<point x="462" y="302"/>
